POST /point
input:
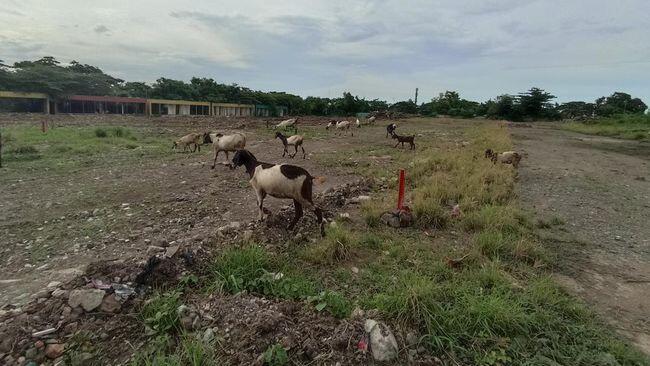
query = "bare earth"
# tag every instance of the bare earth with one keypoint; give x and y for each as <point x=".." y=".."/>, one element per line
<point x="600" y="188"/>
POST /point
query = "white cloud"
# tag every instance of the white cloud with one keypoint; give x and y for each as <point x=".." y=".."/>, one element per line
<point x="378" y="49"/>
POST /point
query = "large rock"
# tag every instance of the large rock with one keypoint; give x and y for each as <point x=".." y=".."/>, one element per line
<point x="88" y="299"/>
<point x="382" y="341"/>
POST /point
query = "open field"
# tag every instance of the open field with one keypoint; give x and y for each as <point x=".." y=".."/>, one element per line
<point x="631" y="127"/>
<point x="96" y="197"/>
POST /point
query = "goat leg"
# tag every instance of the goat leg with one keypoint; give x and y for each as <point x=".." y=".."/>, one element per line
<point x="303" y="152"/>
<point x="298" y="208"/>
<point x="214" y="163"/>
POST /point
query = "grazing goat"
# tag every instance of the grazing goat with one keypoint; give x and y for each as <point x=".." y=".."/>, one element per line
<point x="280" y="181"/>
<point x="226" y="143"/>
<point x="295" y="141"/>
<point x="390" y="129"/>
<point x="371" y="120"/>
<point x="506" y="157"/>
<point x="187" y="141"/>
<point x="403" y="139"/>
<point x="343" y="125"/>
<point x="292" y="122"/>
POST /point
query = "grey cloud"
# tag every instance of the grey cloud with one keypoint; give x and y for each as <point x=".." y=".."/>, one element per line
<point x="101" y="29"/>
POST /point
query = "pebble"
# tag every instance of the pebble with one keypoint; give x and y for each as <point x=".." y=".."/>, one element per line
<point x="54" y="350"/>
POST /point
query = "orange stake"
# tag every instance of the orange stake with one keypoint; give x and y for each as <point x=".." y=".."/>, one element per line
<point x="400" y="195"/>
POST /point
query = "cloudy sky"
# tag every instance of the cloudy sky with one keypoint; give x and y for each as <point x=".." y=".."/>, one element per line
<point x="576" y="49"/>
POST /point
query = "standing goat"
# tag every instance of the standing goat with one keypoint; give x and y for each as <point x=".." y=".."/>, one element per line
<point x="295" y="141"/>
<point x="371" y="120"/>
<point x="358" y="123"/>
<point x="189" y="140"/>
<point x="342" y="125"/>
<point x="506" y="157"/>
<point x="226" y="143"/>
<point x="390" y="129"/>
<point x="403" y="139"/>
<point x="280" y="181"/>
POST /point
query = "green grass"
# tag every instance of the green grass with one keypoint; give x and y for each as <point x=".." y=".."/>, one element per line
<point x="631" y="127"/>
<point x="189" y="351"/>
<point x="497" y="306"/>
<point x="160" y="312"/>
<point x="65" y="149"/>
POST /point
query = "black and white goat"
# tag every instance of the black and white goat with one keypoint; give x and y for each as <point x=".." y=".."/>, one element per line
<point x="280" y="181"/>
<point x="295" y="141"/>
<point x="390" y="129"/>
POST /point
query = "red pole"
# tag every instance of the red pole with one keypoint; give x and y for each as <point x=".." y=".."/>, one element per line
<point x="400" y="195"/>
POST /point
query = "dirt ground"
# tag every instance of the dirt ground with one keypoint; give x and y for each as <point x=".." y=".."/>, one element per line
<point x="600" y="188"/>
<point x="53" y="225"/>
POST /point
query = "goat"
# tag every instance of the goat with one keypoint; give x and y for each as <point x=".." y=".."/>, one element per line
<point x="280" y="181"/>
<point x="226" y="143"/>
<point x="371" y="120"/>
<point x="403" y="139"/>
<point x="358" y="123"/>
<point x="390" y="129"/>
<point x="187" y="141"/>
<point x="292" y="122"/>
<point x="295" y="141"/>
<point x="506" y="157"/>
<point x="340" y="126"/>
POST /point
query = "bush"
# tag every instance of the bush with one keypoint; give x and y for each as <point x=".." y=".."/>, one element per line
<point x="101" y="133"/>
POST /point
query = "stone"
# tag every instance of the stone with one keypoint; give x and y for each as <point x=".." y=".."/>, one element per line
<point x="88" y="299"/>
<point x="31" y="353"/>
<point x="110" y="304"/>
<point x="248" y="235"/>
<point x="383" y="344"/>
<point x="359" y="199"/>
<point x="54" y="284"/>
<point x="59" y="293"/>
<point x="54" y="350"/>
<point x="70" y="328"/>
<point x="208" y="335"/>
<point x="171" y="251"/>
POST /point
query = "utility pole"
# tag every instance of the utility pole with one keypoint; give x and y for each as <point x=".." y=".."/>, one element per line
<point x="416" y="96"/>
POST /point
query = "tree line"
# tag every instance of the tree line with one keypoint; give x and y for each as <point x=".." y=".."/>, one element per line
<point x="47" y="75"/>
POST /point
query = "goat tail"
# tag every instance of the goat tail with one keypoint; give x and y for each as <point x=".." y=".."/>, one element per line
<point x="319" y="179"/>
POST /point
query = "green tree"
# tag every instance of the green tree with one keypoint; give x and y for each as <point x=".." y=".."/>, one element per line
<point x="619" y="103"/>
<point x="535" y="103"/>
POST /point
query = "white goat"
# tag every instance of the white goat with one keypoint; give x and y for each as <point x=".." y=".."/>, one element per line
<point x="342" y="125"/>
<point x="280" y="181"/>
<point x="226" y="143"/>
<point x="295" y="141"/>
<point x="506" y="157"/>
<point x="371" y="120"/>
<point x="358" y="123"/>
<point x="292" y="122"/>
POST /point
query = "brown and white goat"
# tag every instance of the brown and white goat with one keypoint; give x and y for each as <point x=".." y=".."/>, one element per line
<point x="295" y="141"/>
<point x="506" y="157"/>
<point x="280" y="181"/>
<point x="342" y="125"/>
<point x="403" y="139"/>
<point x="187" y="141"/>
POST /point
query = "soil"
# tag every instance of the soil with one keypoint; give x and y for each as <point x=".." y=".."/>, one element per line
<point x="600" y="188"/>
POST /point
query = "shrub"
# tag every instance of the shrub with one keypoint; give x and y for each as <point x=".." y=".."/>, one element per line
<point x="101" y="133"/>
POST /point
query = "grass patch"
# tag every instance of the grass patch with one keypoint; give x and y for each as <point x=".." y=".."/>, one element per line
<point x="190" y="350"/>
<point x="628" y="126"/>
<point x="338" y="245"/>
<point x="276" y="355"/>
<point x="160" y="312"/>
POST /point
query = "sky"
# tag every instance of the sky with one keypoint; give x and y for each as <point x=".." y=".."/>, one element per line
<point x="575" y="49"/>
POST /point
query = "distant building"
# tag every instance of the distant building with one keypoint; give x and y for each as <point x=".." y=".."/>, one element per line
<point x="265" y="110"/>
<point x="78" y="104"/>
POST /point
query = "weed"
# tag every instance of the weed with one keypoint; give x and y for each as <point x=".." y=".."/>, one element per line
<point x="160" y="312"/>
<point x="332" y="302"/>
<point x="557" y="221"/>
<point x="276" y="355"/>
<point x="338" y="245"/>
<point x="236" y="269"/>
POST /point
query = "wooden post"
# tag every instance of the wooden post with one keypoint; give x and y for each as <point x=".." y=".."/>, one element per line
<point x="400" y="194"/>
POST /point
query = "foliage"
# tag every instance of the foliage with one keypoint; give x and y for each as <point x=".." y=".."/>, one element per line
<point x="190" y="351"/>
<point x="625" y="126"/>
<point x="275" y="355"/>
<point x="160" y="312"/>
<point x="619" y="103"/>
<point x="450" y="103"/>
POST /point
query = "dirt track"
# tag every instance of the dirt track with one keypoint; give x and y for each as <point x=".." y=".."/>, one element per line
<point x="600" y="188"/>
